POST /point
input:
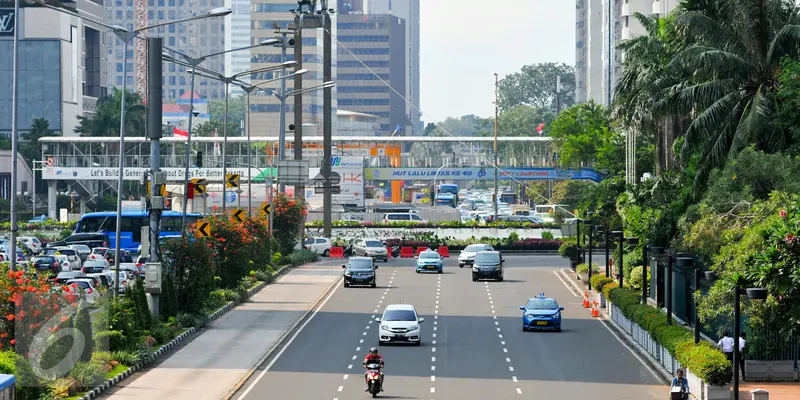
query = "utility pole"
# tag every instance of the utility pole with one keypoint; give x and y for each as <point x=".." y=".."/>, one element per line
<point x="610" y="45"/>
<point x="558" y="94"/>
<point x="14" y="134"/>
<point x="154" y="93"/>
<point x="299" y="192"/>
<point x="496" y="128"/>
<point x="327" y="125"/>
<point x="282" y="130"/>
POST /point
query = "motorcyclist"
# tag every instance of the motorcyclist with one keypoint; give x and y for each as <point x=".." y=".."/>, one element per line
<point x="372" y="358"/>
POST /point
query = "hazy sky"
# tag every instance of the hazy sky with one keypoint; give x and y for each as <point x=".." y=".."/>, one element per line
<point x="464" y="42"/>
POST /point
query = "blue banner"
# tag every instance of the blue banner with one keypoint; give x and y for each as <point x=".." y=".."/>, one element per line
<point x="472" y="173"/>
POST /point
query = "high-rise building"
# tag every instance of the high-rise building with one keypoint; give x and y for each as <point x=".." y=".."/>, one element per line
<point x="379" y="87"/>
<point x="195" y="38"/>
<point x="408" y="11"/>
<point x="62" y="67"/>
<point x="237" y="36"/>
<point x="600" y="25"/>
<point x="265" y="108"/>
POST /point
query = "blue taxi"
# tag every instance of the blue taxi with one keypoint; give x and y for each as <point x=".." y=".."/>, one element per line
<point x="429" y="261"/>
<point x="541" y="313"/>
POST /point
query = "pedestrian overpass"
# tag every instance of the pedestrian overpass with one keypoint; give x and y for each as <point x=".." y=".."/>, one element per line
<point x="93" y="161"/>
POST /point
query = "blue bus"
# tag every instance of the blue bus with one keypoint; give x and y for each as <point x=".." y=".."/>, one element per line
<point x="446" y="199"/>
<point x="450" y="188"/>
<point x="132" y="223"/>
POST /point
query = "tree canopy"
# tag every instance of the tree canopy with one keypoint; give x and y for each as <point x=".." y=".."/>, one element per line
<point x="535" y="86"/>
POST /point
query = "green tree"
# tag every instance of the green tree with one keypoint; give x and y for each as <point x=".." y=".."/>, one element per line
<point x="583" y="136"/>
<point x="535" y="85"/>
<point x="30" y="148"/>
<point x="191" y="263"/>
<point x="236" y="111"/>
<point x="5" y="142"/>
<point x="106" y="117"/>
<point x="727" y="78"/>
<point x="84" y="324"/>
<point x="139" y="299"/>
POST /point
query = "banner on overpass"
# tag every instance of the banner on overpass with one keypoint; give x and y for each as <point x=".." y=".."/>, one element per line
<point x="134" y="173"/>
<point x="471" y="173"/>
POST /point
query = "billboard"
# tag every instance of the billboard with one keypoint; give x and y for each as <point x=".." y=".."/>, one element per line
<point x="472" y="173"/>
<point x="351" y="171"/>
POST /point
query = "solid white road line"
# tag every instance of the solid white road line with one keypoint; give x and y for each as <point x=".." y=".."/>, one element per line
<point x="286" y="345"/>
<point x="571" y="289"/>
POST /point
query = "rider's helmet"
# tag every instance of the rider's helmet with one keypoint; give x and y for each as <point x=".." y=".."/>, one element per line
<point x="373" y="351"/>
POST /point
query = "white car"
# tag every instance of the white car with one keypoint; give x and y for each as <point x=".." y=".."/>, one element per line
<point x="31" y="243"/>
<point x="86" y="285"/>
<point x="400" y="324"/>
<point x="467" y="256"/>
<point x="320" y="246"/>
<point x="72" y="256"/>
<point x="63" y="262"/>
<point x="124" y="279"/>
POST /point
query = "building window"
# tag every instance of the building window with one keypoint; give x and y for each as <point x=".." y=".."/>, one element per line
<point x="357" y="64"/>
<point x="119" y="80"/>
<point x="171" y="3"/>
<point x="361" y="25"/>
<point x="172" y="80"/>
<point x="362" y="89"/>
<point x="150" y="15"/>
<point x="119" y="68"/>
<point x="171" y="28"/>
<point x="272" y="8"/>
<point x="364" y="38"/>
<point x="370" y="51"/>
<point x="363" y="102"/>
<point x="171" y="14"/>
<point x="171" y="40"/>
<point x="171" y="67"/>
<point x="161" y="3"/>
<point x="362" y="77"/>
<point x="160" y="15"/>
<point x="182" y="80"/>
<point x="172" y="93"/>
<point x="129" y="80"/>
<point x="118" y="13"/>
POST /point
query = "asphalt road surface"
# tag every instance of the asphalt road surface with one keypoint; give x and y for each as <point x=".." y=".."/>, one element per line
<point x="473" y="344"/>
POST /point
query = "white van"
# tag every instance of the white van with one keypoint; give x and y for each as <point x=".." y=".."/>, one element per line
<point x="402" y="217"/>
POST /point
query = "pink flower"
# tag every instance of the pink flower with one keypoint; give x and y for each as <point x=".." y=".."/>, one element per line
<point x="782" y="213"/>
<point x="791" y="238"/>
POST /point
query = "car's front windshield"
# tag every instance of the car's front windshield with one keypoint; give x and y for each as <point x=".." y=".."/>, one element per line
<point x="487" y="258"/>
<point x="360" y="265"/>
<point x="429" y="255"/>
<point x="474" y="248"/>
<point x="399" y="315"/>
<point x="542" y="304"/>
<point x="373" y="243"/>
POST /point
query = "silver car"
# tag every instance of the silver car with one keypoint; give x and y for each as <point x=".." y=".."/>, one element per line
<point x="371" y="248"/>
<point x="467" y="256"/>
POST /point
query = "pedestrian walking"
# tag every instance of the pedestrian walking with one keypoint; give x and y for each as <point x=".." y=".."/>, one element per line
<point x="726" y="344"/>
<point x="742" y="341"/>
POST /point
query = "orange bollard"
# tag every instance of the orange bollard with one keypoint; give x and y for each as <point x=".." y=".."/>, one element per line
<point x="594" y="312"/>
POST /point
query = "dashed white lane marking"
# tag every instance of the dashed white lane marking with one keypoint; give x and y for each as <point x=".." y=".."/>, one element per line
<point x="433" y="368"/>
<point x="358" y="348"/>
<point x="519" y="391"/>
<point x="508" y="360"/>
<point x="433" y="378"/>
<point x="500" y="335"/>
<point x="433" y="349"/>
<point x="433" y="390"/>
<point x="511" y="369"/>
<point x="361" y="341"/>
<point x="514" y="378"/>
<point x="433" y="359"/>
<point x="354" y="357"/>
<point x="505" y="350"/>
<point x="350" y="366"/>
<point x="345" y="376"/>
<point x="340" y="388"/>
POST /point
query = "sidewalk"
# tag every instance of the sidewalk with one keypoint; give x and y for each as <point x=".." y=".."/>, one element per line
<point x="777" y="390"/>
<point x="211" y="364"/>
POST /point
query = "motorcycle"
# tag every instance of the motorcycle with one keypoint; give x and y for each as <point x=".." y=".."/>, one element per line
<point x="348" y="251"/>
<point x="374" y="379"/>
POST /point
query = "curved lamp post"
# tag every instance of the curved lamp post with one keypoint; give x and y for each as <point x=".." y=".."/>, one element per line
<point x="756" y="294"/>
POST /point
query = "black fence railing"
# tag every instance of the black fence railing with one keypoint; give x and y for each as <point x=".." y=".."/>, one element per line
<point x="767" y="345"/>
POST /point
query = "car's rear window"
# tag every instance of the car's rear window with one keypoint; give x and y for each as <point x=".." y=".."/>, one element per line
<point x="43" y="259"/>
<point x="373" y="243"/>
<point x="81" y="284"/>
<point x="399" y="315"/>
<point x="361" y="265"/>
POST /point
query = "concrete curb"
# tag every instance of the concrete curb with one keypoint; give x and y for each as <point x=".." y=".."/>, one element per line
<point x="620" y="333"/>
<point x="92" y="394"/>
<point x="280" y="341"/>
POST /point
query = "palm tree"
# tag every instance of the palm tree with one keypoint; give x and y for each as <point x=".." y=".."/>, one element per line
<point x="105" y="119"/>
<point x="727" y="77"/>
<point x="640" y="86"/>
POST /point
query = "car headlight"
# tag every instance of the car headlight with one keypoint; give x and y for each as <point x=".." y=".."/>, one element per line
<point x="475" y="269"/>
<point x="385" y="327"/>
<point x="557" y="315"/>
<point x="413" y="327"/>
<point x="348" y="274"/>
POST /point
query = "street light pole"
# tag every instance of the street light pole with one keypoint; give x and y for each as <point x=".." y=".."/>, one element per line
<point x="282" y="97"/>
<point x="608" y="251"/>
<point x="195" y="62"/>
<point x="327" y="123"/>
<point x="591" y="228"/>
<point x="496" y="129"/>
<point x="225" y="150"/>
<point x="14" y="139"/>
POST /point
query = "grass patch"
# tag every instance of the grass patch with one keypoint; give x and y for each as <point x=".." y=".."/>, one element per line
<point x="116" y="371"/>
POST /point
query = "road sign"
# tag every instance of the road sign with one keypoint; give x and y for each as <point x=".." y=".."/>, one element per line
<point x="293" y="172"/>
<point x="199" y="186"/>
<point x="205" y="229"/>
<point x="239" y="214"/>
<point x="335" y="179"/>
<point x="162" y="189"/>
<point x="232" y="180"/>
<point x="265" y="209"/>
<point x="334" y="190"/>
<point x="318" y="180"/>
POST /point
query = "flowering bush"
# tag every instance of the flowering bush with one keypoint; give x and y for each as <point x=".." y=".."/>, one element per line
<point x="775" y="265"/>
<point x="229" y="242"/>
<point x="289" y="215"/>
<point x="191" y="264"/>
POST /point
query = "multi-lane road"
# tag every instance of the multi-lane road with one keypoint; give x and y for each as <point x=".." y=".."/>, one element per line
<point x="473" y="345"/>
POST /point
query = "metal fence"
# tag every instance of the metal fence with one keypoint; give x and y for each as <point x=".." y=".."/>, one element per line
<point x="767" y="345"/>
<point x="428" y="214"/>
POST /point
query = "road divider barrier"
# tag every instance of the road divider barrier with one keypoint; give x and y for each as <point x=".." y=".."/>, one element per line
<point x="337" y="252"/>
<point x="406" y="252"/>
<point x="444" y="251"/>
<point x="421" y="249"/>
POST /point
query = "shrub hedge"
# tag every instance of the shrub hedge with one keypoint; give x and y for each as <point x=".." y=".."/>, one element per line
<point x="599" y="281"/>
<point x="584" y="268"/>
<point x="705" y="361"/>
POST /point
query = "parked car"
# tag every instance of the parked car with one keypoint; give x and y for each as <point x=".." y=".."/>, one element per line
<point x="40" y="219"/>
<point x="87" y="286"/>
<point x="72" y="255"/>
<point x="90" y="239"/>
<point x="82" y="249"/>
<point x="32" y="243"/>
<point x="101" y="253"/>
<point x="320" y="246"/>
<point x="402" y="217"/>
<point x="370" y="248"/>
<point x="46" y="263"/>
<point x="124" y="279"/>
<point x="64" y="277"/>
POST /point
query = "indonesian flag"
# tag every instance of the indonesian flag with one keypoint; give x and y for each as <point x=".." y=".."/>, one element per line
<point x="178" y="132"/>
<point x="540" y="128"/>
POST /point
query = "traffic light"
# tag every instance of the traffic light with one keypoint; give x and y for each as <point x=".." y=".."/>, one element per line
<point x="199" y="159"/>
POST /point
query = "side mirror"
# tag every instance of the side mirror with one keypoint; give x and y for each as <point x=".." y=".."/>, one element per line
<point x="421" y="320"/>
<point x="376" y="267"/>
<point x="377" y="320"/>
<point x="560" y="308"/>
<point x="522" y="308"/>
<point x="344" y="266"/>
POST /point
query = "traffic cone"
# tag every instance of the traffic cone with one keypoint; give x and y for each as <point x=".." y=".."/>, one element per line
<point x="586" y="301"/>
<point x="594" y="312"/>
